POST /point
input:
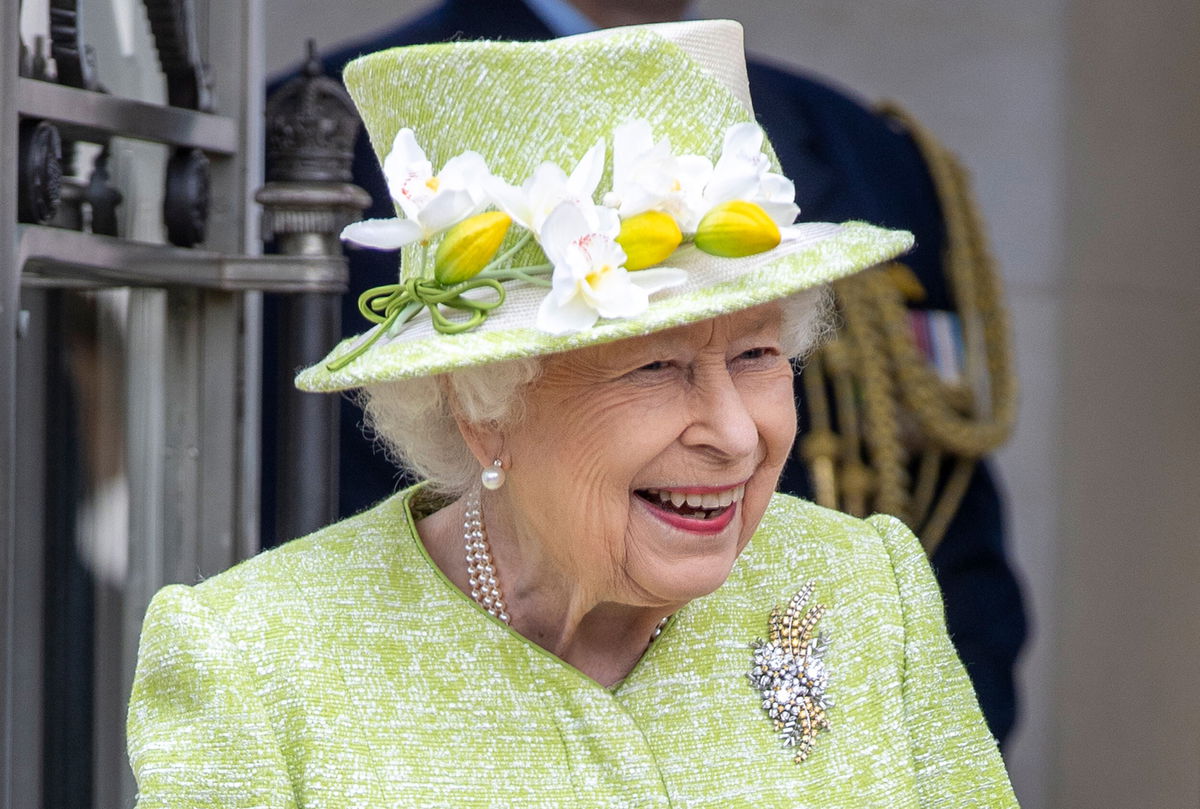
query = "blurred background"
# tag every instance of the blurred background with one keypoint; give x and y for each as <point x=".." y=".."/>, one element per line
<point x="1079" y="121"/>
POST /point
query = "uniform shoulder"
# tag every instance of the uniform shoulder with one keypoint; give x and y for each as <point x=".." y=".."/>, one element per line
<point x="811" y="91"/>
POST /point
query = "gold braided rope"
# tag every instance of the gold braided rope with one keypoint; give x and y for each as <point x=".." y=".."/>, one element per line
<point x="890" y="405"/>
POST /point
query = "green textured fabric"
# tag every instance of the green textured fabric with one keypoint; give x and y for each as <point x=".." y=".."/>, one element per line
<point x="344" y="670"/>
<point x="519" y="104"/>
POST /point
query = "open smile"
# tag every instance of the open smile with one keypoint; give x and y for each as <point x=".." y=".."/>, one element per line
<point x="702" y="510"/>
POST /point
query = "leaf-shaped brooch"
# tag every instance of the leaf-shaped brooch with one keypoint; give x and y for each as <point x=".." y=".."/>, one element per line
<point x="790" y="675"/>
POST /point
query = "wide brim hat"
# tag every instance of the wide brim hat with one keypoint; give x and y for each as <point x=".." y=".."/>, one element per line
<point x="519" y="104"/>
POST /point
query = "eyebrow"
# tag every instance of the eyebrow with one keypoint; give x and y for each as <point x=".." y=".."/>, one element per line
<point x="767" y="318"/>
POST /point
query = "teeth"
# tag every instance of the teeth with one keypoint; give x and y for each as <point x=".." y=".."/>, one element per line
<point x="722" y="499"/>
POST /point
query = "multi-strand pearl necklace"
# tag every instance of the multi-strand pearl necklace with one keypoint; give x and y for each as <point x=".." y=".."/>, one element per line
<point x="481" y="571"/>
<point x="481" y="568"/>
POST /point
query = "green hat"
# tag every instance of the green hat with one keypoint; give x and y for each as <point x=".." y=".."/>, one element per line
<point x="561" y="194"/>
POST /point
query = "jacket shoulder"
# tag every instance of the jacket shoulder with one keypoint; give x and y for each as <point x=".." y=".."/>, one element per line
<point x="798" y="540"/>
<point x="358" y="548"/>
<point x="802" y="520"/>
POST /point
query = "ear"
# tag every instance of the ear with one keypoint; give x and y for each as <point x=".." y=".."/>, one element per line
<point x="485" y="441"/>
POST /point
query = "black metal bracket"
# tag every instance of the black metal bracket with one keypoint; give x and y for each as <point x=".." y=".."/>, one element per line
<point x="39" y="171"/>
<point x="185" y="203"/>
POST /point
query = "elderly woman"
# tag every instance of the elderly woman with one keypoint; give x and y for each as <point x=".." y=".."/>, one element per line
<point x="594" y="598"/>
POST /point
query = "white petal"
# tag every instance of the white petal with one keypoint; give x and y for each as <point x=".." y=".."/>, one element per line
<point x="693" y="170"/>
<point x="510" y="199"/>
<point x="587" y="173"/>
<point x="382" y="234"/>
<point x="602" y="252"/>
<point x="446" y="209"/>
<point x="729" y="186"/>
<point x="463" y="169"/>
<point x="468" y="171"/>
<point x="405" y="157"/>
<point x="614" y="295"/>
<point x="564" y="317"/>
<point x="575" y="266"/>
<point x="741" y="166"/>
<point x="638" y="199"/>
<point x="655" y="171"/>
<point x="781" y="213"/>
<point x="776" y="188"/>
<point x="732" y="178"/>
<point x="545" y="189"/>
<point x="564" y="282"/>
<point x="743" y="140"/>
<point x="410" y="207"/>
<point x="405" y="145"/>
<point x="565" y="224"/>
<point x="546" y="175"/>
<point x="604" y="221"/>
<point x="657" y="278"/>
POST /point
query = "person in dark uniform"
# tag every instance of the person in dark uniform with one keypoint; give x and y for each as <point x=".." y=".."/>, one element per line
<point x="847" y="162"/>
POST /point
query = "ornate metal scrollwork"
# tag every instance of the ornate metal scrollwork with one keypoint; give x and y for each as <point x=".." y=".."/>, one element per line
<point x="311" y="128"/>
<point x="173" y="23"/>
<point x="185" y="200"/>
<point x="75" y="61"/>
<point x="39" y="172"/>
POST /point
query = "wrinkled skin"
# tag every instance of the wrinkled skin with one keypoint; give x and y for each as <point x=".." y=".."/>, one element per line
<point x="587" y="565"/>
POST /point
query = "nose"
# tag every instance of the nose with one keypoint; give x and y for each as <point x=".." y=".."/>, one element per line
<point x="722" y="421"/>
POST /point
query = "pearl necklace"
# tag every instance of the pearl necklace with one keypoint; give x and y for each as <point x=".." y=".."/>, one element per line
<point x="481" y="570"/>
<point x="481" y="573"/>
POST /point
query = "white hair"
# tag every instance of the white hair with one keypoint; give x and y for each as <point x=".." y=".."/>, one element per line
<point x="414" y="420"/>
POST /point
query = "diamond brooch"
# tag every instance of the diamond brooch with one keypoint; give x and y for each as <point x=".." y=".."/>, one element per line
<point x="789" y="673"/>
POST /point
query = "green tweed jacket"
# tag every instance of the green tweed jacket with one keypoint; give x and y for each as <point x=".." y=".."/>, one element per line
<point x="344" y="670"/>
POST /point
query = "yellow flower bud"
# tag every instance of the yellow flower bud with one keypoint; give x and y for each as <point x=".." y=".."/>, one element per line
<point x="648" y="238"/>
<point x="469" y="246"/>
<point x="735" y="229"/>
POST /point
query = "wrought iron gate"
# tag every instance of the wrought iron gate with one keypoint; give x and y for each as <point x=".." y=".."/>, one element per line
<point x="131" y="284"/>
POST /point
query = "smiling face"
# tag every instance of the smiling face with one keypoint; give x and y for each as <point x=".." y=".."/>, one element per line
<point x="642" y="467"/>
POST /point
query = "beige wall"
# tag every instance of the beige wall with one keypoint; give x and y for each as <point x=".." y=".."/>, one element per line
<point x="1079" y="121"/>
<point x="1130" y="625"/>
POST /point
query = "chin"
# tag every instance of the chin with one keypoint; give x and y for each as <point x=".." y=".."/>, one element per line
<point x="688" y="581"/>
<point x="685" y="557"/>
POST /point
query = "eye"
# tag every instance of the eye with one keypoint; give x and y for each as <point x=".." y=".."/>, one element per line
<point x="759" y="353"/>
<point x="654" y="373"/>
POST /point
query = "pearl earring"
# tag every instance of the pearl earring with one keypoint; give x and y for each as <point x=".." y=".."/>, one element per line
<point x="492" y="476"/>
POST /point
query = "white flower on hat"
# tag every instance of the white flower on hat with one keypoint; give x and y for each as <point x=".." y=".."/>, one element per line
<point x="590" y="280"/>
<point x="549" y="186"/>
<point x="649" y="176"/>
<point x="743" y="173"/>
<point x="431" y="203"/>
